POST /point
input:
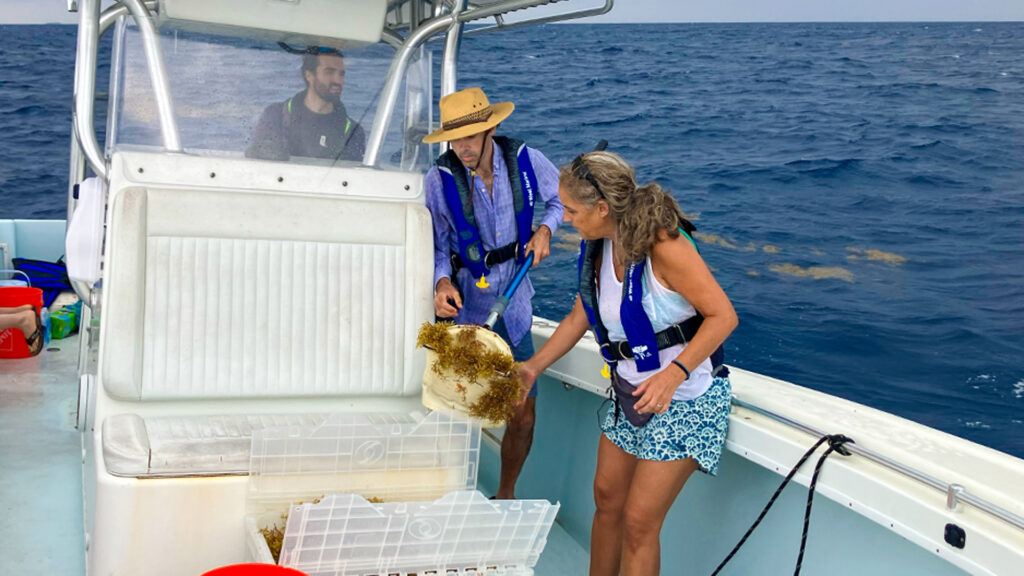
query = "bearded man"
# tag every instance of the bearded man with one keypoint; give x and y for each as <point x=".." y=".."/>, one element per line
<point x="312" y="123"/>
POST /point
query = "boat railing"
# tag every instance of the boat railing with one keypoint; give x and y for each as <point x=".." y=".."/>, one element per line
<point x="420" y="34"/>
<point x="500" y="24"/>
<point x="85" y="84"/>
<point x="91" y="27"/>
<point x="955" y="493"/>
<point x="157" y="74"/>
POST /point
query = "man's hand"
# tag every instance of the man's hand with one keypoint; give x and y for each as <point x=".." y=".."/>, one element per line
<point x="540" y="244"/>
<point x="444" y="294"/>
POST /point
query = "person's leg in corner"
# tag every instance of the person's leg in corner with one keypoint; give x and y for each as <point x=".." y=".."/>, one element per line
<point x="24" y="318"/>
<point x="515" y="445"/>
<point x="16" y="310"/>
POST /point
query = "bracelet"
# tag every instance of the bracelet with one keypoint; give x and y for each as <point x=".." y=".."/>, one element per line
<point x="680" y="364"/>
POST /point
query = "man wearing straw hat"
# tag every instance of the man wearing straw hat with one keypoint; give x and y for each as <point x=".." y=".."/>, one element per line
<point x="481" y="195"/>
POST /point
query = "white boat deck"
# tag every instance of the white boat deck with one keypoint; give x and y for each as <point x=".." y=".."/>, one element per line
<point x="41" y="455"/>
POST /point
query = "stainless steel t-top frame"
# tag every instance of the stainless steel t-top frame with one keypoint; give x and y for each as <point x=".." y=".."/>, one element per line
<point x="447" y="16"/>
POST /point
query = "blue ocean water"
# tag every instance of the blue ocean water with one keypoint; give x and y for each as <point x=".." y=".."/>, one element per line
<point x="859" y="188"/>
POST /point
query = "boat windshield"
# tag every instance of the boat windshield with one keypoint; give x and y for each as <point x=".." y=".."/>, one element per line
<point x="238" y="97"/>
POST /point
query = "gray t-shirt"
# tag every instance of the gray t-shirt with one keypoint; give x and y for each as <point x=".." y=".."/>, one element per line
<point x="289" y="129"/>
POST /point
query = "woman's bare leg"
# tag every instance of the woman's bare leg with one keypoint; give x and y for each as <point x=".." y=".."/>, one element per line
<point x="654" y="488"/>
<point x="611" y="488"/>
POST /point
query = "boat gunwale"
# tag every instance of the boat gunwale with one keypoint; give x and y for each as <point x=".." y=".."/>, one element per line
<point x="747" y="398"/>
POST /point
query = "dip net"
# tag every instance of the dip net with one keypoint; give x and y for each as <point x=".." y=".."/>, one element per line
<point x="470" y="369"/>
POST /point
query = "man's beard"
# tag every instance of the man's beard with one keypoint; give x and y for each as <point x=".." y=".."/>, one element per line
<point x="325" y="94"/>
<point x="475" y="161"/>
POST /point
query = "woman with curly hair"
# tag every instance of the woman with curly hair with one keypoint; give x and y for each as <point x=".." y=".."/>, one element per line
<point x="661" y="319"/>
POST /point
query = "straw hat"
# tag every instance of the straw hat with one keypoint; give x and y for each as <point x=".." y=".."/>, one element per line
<point x="468" y="112"/>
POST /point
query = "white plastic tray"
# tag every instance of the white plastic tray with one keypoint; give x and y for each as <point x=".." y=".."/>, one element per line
<point x="462" y="533"/>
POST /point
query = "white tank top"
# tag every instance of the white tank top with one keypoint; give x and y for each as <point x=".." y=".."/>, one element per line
<point x="664" y="308"/>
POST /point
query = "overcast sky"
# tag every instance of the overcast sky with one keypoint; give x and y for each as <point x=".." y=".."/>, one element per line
<point x="40" y="11"/>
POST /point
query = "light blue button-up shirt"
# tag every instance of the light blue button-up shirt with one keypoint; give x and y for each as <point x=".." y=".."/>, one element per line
<point x="496" y="220"/>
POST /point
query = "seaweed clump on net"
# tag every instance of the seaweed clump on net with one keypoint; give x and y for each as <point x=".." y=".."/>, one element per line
<point x="469" y="359"/>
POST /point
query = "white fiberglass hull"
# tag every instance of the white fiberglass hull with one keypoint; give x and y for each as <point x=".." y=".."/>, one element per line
<point x="866" y="519"/>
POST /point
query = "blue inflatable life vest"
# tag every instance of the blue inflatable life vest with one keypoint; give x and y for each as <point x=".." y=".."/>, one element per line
<point x="458" y="196"/>
<point x="642" y="343"/>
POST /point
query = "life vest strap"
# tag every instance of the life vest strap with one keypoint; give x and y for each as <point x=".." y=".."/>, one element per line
<point x="491" y="257"/>
<point x="680" y="333"/>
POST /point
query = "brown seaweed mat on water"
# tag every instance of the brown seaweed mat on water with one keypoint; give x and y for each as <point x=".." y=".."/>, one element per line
<point x="476" y="367"/>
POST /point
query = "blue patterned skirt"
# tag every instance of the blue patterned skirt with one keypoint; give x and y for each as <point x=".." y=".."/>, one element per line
<point x="688" y="429"/>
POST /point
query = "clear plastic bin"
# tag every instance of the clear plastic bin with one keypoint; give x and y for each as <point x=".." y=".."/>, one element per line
<point x="462" y="533"/>
<point x="391" y="457"/>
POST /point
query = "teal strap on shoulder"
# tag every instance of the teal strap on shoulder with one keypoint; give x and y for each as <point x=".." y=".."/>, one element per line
<point x="689" y="238"/>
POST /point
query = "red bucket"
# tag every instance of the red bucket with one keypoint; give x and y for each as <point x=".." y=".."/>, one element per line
<point x="12" y="341"/>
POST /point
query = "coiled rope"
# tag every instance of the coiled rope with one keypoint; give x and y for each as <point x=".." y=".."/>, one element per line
<point x="835" y="444"/>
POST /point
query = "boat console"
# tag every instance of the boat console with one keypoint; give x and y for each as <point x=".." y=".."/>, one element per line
<point x="240" y="296"/>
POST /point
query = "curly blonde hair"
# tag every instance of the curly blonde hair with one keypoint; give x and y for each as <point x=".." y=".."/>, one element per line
<point x="640" y="212"/>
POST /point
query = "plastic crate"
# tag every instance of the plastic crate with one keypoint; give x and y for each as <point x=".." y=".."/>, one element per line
<point x="392" y="457"/>
<point x="461" y="534"/>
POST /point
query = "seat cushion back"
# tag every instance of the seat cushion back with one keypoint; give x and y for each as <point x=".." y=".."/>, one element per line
<point x="233" y="294"/>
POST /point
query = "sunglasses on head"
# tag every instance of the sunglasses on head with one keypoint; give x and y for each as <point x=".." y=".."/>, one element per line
<point x="582" y="171"/>
<point x="310" y="49"/>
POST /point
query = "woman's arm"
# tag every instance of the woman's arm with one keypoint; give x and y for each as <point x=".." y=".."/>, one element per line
<point x="568" y="333"/>
<point x="678" y="266"/>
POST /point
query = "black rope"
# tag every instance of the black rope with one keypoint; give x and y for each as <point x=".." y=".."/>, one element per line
<point x="835" y="442"/>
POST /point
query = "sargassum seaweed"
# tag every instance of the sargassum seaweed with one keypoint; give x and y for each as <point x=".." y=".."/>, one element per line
<point x="468" y="359"/>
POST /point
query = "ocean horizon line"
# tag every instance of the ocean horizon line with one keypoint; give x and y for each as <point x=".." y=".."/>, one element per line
<point x="660" y="23"/>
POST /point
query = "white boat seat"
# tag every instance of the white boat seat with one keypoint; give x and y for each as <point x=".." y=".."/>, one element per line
<point x="232" y="294"/>
<point x="187" y="445"/>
